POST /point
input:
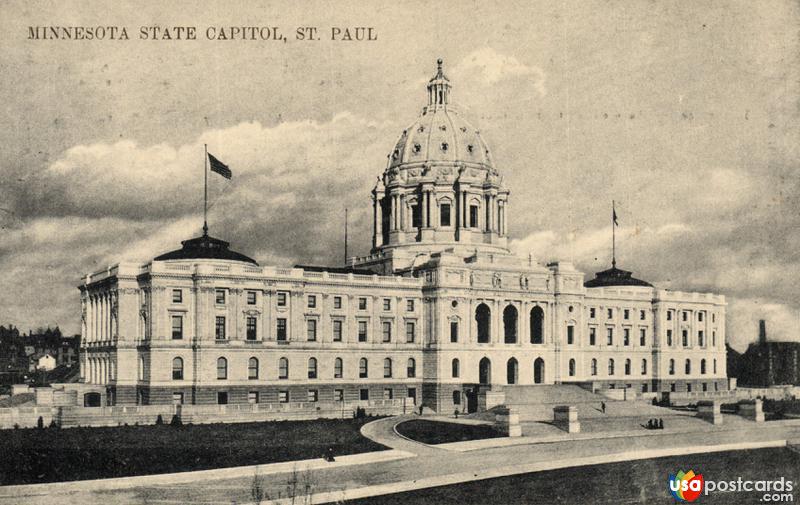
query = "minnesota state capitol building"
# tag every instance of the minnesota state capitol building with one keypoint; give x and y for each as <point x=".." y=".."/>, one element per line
<point x="440" y="311"/>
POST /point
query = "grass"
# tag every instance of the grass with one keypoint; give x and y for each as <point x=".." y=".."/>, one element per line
<point x="52" y="455"/>
<point x="643" y="481"/>
<point x="440" y="432"/>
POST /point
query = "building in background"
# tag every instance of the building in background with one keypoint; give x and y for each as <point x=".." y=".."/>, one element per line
<point x="767" y="363"/>
<point x="440" y="311"/>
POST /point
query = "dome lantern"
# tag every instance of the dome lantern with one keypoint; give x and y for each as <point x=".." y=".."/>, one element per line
<point x="438" y="87"/>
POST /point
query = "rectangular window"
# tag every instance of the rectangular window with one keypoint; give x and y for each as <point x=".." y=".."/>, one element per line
<point x="688" y="388"/>
<point x="713" y="339"/>
<point x="252" y="397"/>
<point x="283" y="396"/>
<point x="220" y="296"/>
<point x="282" y="298"/>
<point x="251" y="299"/>
<point x="453" y="331"/>
<point x="592" y="312"/>
<point x="592" y="336"/>
<point x="311" y="330"/>
<point x="338" y="395"/>
<point x="337" y="330"/>
<point x="177" y="398"/>
<point x="222" y="398"/>
<point x="685" y="315"/>
<point x="337" y="302"/>
<point x="610" y="340"/>
<point x="177" y="296"/>
<point x="363" y="394"/>
<point x="220" y="328"/>
<point x="416" y="216"/>
<point x="642" y="337"/>
<point x="642" y="315"/>
<point x="669" y="315"/>
<point x="337" y="368"/>
<point x="281" y="333"/>
<point x="713" y="317"/>
<point x="610" y="313"/>
<point x="685" y="338"/>
<point x="312" y="301"/>
<point x="252" y="328"/>
<point x="409" y="305"/>
<point x="387" y="331"/>
<point x="411" y="331"/>
<point x="626" y="337"/>
<point x="388" y="394"/>
<point x="444" y="214"/>
<point x="362" y="304"/>
<point x="570" y="335"/>
<point x="177" y="327"/>
<point x="669" y="338"/>
<point x="313" y="394"/>
<point x="473" y="216"/>
<point x="626" y="314"/>
<point x="700" y="316"/>
<point x="387" y="304"/>
<point x="701" y="340"/>
<point x="362" y="331"/>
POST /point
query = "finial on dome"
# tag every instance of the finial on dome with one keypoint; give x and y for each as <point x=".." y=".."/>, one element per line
<point x="439" y="86"/>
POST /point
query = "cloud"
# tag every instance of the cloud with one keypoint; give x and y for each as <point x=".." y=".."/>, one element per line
<point x="743" y="316"/>
<point x="493" y="67"/>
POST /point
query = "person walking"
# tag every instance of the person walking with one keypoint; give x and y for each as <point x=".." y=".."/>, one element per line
<point x="603" y="407"/>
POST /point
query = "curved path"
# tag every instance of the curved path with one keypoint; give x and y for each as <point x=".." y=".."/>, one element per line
<point x="383" y="432"/>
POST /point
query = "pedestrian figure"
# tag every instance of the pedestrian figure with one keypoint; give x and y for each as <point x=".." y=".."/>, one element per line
<point x="660" y="424"/>
<point x="649" y="424"/>
<point x="329" y="455"/>
<point x="603" y="407"/>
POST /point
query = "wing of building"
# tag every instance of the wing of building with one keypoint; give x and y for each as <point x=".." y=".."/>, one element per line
<point x="440" y="311"/>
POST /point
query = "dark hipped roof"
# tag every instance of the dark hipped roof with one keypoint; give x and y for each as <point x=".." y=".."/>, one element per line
<point x="615" y="277"/>
<point x="205" y="247"/>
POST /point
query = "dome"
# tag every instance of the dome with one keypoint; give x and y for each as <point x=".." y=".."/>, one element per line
<point x="615" y="277"/>
<point x="205" y="247"/>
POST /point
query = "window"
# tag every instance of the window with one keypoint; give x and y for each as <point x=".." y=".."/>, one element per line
<point x="282" y="298"/>
<point x="338" y="395"/>
<point x="626" y="337"/>
<point x="387" y="304"/>
<point x="312" y="301"/>
<point x="363" y="394"/>
<point x="572" y="368"/>
<point x="362" y="304"/>
<point x="537" y="325"/>
<point x="705" y="386"/>
<point x="473" y="216"/>
<point x="177" y="398"/>
<point x="594" y="366"/>
<point x="283" y="396"/>
<point x="611" y="367"/>
<point x="411" y="331"/>
<point x="387" y="331"/>
<point x="702" y="367"/>
<point x="222" y="398"/>
<point x="252" y="368"/>
<point x="177" y="327"/>
<point x="715" y="366"/>
<point x="570" y="334"/>
<point x="222" y="368"/>
<point x="362" y="331"/>
<point x="283" y="368"/>
<point x="688" y="366"/>
<point x="388" y="394"/>
<point x="642" y="337"/>
<point x="685" y="315"/>
<point x="456" y="397"/>
<point x="453" y="331"/>
<point x="252" y="397"/>
<point x="444" y="214"/>
<point x="362" y="368"/>
<point x="713" y="318"/>
<point x="642" y="315"/>
<point x="626" y="314"/>
<point x="672" y="367"/>
<point x="177" y="369"/>
<point x="713" y="339"/>
<point x="700" y="316"/>
<point x="672" y="387"/>
<point x="177" y="296"/>
<point x="610" y="336"/>
<point x="338" y="368"/>
<point x="251" y="299"/>
<point x="312" y="395"/>
<point x="337" y="330"/>
<point x="627" y="367"/>
<point x="592" y="336"/>
<point x="312" y="368"/>
<point x="311" y="330"/>
<point x="669" y="338"/>
<point x="281" y="333"/>
<point x="337" y="302"/>
<point x="592" y="312"/>
<point x="252" y="332"/>
<point x="669" y="315"/>
<point x="387" y="368"/>
<point x="610" y="313"/>
<point x="688" y="388"/>
<point x="701" y="338"/>
<point x="411" y="368"/>
<point x="220" y="328"/>
<point x="483" y="318"/>
<point x="455" y="368"/>
<point x="219" y="296"/>
<point x="409" y="305"/>
<point x="685" y="338"/>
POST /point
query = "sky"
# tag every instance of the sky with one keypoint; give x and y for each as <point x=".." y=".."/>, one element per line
<point x="684" y="113"/>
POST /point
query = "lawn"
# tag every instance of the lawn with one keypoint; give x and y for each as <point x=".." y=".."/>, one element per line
<point x="440" y="432"/>
<point x="640" y="482"/>
<point x="51" y="455"/>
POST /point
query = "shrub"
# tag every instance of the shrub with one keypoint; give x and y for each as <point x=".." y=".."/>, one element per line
<point x="159" y="420"/>
<point x="54" y="424"/>
<point x="176" y="420"/>
<point x="40" y="423"/>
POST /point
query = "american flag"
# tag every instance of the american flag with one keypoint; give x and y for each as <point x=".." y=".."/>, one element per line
<point x="219" y="167"/>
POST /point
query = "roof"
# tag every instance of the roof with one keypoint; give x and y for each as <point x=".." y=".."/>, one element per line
<point x="205" y="247"/>
<point x="336" y="270"/>
<point x="615" y="277"/>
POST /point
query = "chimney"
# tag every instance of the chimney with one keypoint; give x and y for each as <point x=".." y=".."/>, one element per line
<point x="762" y="331"/>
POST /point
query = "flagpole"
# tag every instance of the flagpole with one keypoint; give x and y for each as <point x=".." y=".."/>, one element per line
<point x="205" y="190"/>
<point x="613" y="235"/>
<point x="345" y="236"/>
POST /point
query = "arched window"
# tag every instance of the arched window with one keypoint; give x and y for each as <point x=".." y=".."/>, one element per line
<point x="644" y="367"/>
<point x="672" y="367"/>
<point x="252" y="368"/>
<point x="627" y="367"/>
<point x="362" y="368"/>
<point x="688" y="366"/>
<point x="703" y="366"/>
<point x="482" y="317"/>
<point x="512" y="371"/>
<point x="455" y="368"/>
<point x="572" y="368"/>
<point x="611" y="367"/>
<point x="510" y="324"/>
<point x="594" y="367"/>
<point x="177" y="369"/>
<point x="387" y="368"/>
<point x="283" y="368"/>
<point x="456" y="397"/>
<point x="312" y="368"/>
<point x="537" y="325"/>
<point x="222" y="368"/>
<point x="338" y="368"/>
<point x="538" y="371"/>
<point x="411" y="368"/>
<point x="485" y="371"/>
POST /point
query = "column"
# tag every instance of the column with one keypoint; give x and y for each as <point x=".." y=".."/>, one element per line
<point x="427" y="209"/>
<point x="394" y="213"/>
<point x="403" y="212"/>
<point x="376" y="224"/>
